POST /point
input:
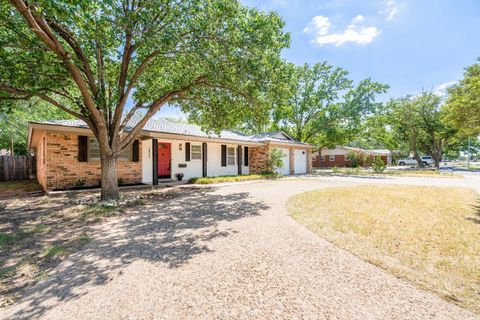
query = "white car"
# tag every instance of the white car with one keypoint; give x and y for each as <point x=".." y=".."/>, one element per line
<point x="412" y="161"/>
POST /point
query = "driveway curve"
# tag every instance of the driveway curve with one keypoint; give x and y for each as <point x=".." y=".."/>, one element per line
<point x="229" y="252"/>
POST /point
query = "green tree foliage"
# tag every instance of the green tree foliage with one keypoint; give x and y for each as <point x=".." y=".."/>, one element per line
<point x="325" y="108"/>
<point x="89" y="57"/>
<point x="463" y="104"/>
<point x="378" y="165"/>
<point x="275" y="160"/>
<point x="14" y="117"/>
<point x="420" y="123"/>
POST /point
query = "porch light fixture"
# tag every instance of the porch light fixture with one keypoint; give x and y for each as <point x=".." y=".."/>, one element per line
<point x="180" y="146"/>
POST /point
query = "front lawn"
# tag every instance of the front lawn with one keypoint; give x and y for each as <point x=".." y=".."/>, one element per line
<point x="222" y="179"/>
<point x="427" y="235"/>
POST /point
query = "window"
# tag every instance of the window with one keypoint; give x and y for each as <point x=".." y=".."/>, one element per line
<point x="322" y="158"/>
<point x="331" y="157"/>
<point x="196" y="152"/>
<point x="124" y="155"/>
<point x="346" y="157"/>
<point x="94" y="152"/>
<point x="230" y="156"/>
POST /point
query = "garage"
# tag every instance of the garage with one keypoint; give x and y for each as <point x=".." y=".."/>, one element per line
<point x="285" y="170"/>
<point x="300" y="161"/>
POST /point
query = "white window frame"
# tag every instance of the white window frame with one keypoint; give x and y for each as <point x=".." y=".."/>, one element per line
<point x="346" y="157"/>
<point x="192" y="158"/>
<point x="331" y="157"/>
<point x="234" y="157"/>
<point x="322" y="158"/>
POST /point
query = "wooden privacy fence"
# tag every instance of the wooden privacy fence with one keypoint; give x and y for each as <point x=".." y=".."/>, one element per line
<point x="17" y="168"/>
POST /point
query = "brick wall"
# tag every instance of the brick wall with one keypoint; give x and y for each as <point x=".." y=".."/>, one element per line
<point x="63" y="170"/>
<point x="291" y="158"/>
<point x="258" y="157"/>
<point x="339" y="161"/>
<point x="309" y="161"/>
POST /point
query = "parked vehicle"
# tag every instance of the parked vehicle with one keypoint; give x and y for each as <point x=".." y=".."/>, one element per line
<point x="426" y="160"/>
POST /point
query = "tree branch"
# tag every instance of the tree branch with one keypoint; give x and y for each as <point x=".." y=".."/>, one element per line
<point x="25" y="95"/>
<point x="154" y="107"/>
<point x="68" y="37"/>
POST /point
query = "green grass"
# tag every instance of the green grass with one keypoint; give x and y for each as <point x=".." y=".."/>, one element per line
<point x="83" y="239"/>
<point x="24" y="185"/>
<point x="427" y="235"/>
<point x="97" y="211"/>
<point x="10" y="239"/>
<point x="236" y="178"/>
<point x="7" y="272"/>
<point x="55" y="251"/>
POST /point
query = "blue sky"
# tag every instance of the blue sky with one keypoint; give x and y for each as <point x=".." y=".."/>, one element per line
<point x="408" y="44"/>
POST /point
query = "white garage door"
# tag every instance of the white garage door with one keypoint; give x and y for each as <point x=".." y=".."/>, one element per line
<point x="285" y="170"/>
<point x="300" y="161"/>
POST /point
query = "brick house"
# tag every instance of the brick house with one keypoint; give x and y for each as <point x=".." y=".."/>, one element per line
<point x="68" y="155"/>
<point x="338" y="157"/>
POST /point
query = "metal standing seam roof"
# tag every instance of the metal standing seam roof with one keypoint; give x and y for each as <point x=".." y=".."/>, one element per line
<point x="170" y="127"/>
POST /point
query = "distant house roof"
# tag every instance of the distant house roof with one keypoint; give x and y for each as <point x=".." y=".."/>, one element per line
<point x="171" y="127"/>
<point x="276" y="137"/>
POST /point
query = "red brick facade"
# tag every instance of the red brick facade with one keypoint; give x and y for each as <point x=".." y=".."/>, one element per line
<point x="338" y="161"/>
<point x="58" y="166"/>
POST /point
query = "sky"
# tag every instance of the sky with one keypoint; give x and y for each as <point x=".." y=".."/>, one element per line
<point x="411" y="45"/>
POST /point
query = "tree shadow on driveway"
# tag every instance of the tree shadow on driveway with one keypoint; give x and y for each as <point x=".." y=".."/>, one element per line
<point x="170" y="229"/>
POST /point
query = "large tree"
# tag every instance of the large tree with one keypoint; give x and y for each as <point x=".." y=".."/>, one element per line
<point x="463" y="102"/>
<point x="324" y="107"/>
<point x="89" y="58"/>
<point x="420" y="122"/>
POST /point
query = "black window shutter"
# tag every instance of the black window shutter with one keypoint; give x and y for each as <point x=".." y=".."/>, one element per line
<point x="245" y="156"/>
<point x="239" y="159"/>
<point x="187" y="151"/>
<point x="224" y="155"/>
<point x="135" y="151"/>
<point x="82" y="148"/>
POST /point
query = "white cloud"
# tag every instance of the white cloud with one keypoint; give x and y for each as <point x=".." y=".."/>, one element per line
<point x="358" y="19"/>
<point x="355" y="33"/>
<point x="391" y="10"/>
<point x="441" y="89"/>
<point x="319" y="25"/>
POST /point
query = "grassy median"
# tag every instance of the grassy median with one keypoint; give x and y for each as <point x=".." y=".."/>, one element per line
<point x="427" y="235"/>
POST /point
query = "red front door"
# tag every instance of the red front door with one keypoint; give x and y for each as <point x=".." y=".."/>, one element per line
<point x="164" y="159"/>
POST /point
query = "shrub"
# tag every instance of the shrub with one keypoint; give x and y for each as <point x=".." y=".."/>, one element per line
<point x="356" y="158"/>
<point x="335" y="169"/>
<point x="275" y="161"/>
<point x="378" y="165"/>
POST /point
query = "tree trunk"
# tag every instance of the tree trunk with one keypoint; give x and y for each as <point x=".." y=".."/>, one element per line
<point x="437" y="158"/>
<point x="109" y="178"/>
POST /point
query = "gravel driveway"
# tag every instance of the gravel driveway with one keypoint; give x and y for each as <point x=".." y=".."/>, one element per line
<point x="231" y="253"/>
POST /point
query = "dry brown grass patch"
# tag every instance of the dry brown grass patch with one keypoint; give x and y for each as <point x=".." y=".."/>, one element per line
<point x="428" y="235"/>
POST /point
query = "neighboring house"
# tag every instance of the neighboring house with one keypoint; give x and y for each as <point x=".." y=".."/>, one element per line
<point x="4" y="152"/>
<point x="338" y="157"/>
<point x="68" y="154"/>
